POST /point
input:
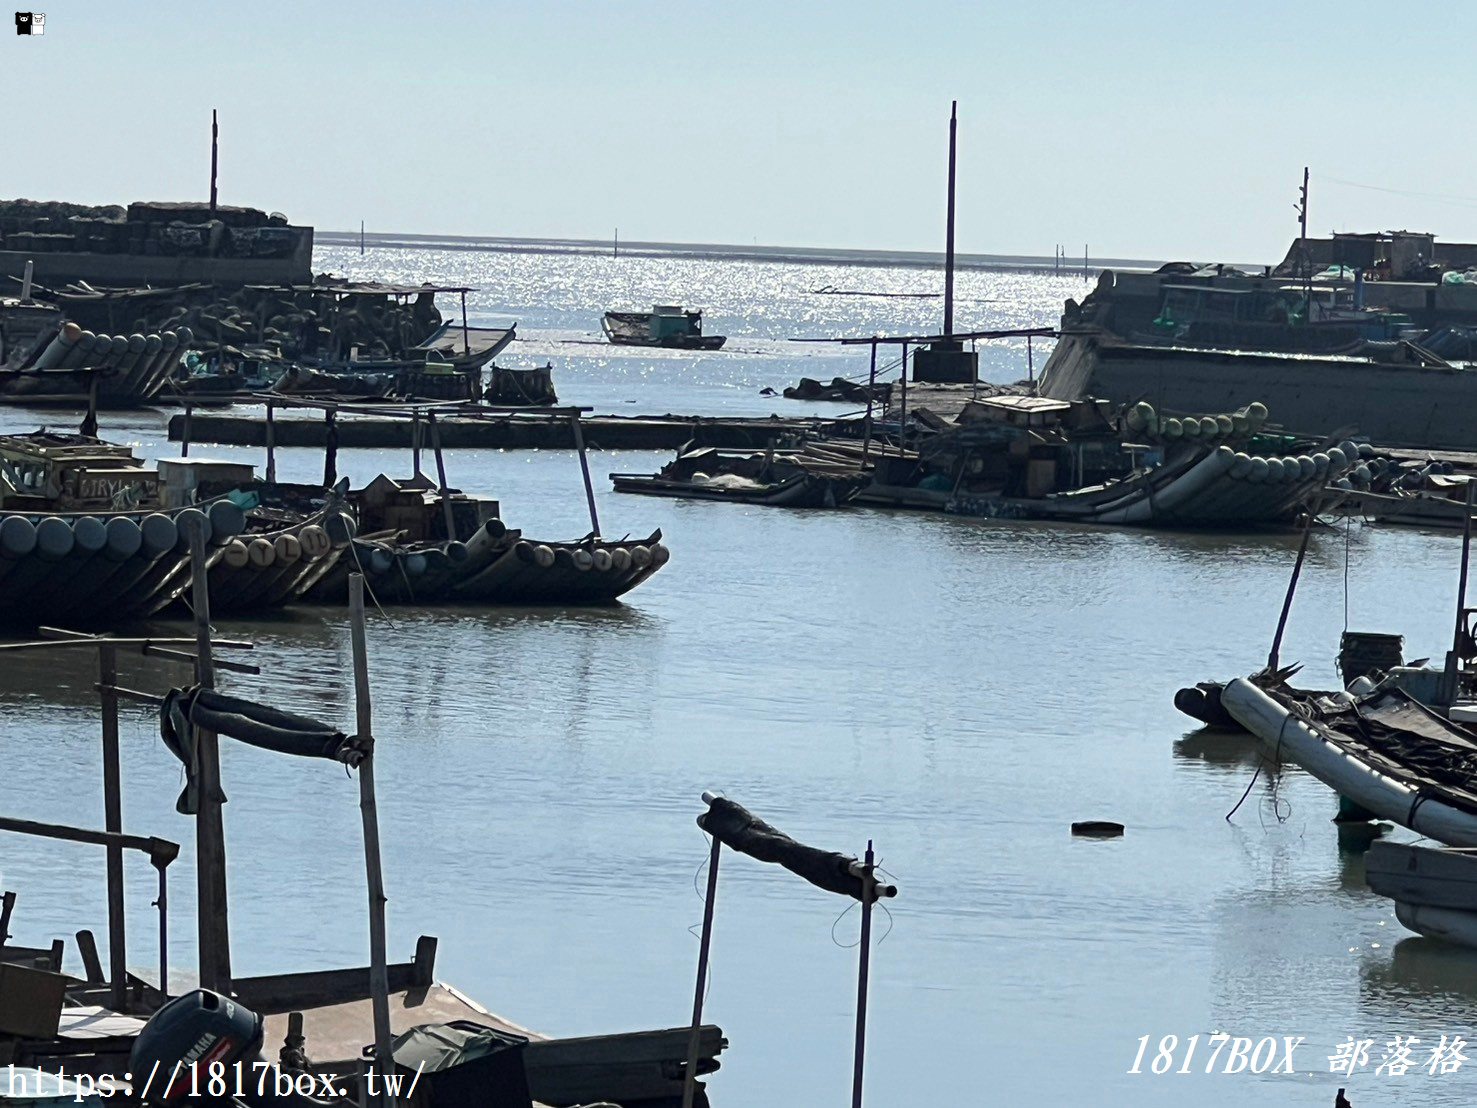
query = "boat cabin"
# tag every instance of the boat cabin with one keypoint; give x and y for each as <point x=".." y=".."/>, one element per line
<point x="51" y="471"/>
<point x="670" y="321"/>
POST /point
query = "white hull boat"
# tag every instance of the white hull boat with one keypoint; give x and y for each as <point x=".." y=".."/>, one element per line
<point x="1386" y="753"/>
<point x="1434" y="888"/>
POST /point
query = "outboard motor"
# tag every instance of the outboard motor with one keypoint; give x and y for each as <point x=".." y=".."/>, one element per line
<point x="200" y="1036"/>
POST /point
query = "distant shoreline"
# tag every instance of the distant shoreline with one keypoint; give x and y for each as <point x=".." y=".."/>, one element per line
<point x="800" y="255"/>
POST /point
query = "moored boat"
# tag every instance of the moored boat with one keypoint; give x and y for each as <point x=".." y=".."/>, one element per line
<point x="1434" y="888"/>
<point x="786" y="478"/>
<point x="665" y="325"/>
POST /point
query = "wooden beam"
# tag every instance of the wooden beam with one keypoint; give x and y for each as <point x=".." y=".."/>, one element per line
<point x="107" y="671"/>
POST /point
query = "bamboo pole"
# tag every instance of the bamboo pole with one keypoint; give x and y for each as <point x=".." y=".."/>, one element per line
<point x="107" y="668"/>
<point x="689" y="1077"/>
<point x="1292" y="584"/>
<point x="379" y="986"/>
<point x="210" y="836"/>
<point x="902" y="439"/>
<point x="271" y="445"/>
<point x="871" y="384"/>
<point x="1450" y="676"/>
<point x="579" y="446"/>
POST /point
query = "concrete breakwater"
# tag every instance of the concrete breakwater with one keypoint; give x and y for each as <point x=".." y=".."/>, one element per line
<point x="522" y="432"/>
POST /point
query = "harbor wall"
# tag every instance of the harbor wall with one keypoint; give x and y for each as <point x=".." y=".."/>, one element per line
<point x="1391" y="404"/>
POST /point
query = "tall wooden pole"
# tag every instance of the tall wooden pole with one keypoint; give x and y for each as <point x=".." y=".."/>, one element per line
<point x="107" y="674"/>
<point x="271" y="446"/>
<point x="210" y="835"/>
<point x="379" y="982"/>
<point x="1307" y="262"/>
<point x="689" y="1077"/>
<point x="444" y="490"/>
<point x="871" y="384"/>
<point x="215" y="134"/>
<point x="949" y="231"/>
<point x="869" y="894"/>
<point x="902" y="439"/>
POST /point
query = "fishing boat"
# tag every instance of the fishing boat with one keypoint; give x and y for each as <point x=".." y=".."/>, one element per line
<point x="786" y="478"/>
<point x="1434" y="888"/>
<point x="1386" y="753"/>
<point x="1029" y="457"/>
<point x="665" y="325"/>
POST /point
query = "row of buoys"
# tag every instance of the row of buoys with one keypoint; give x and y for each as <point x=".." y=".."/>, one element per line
<point x="266" y="570"/>
<point x="619" y="560"/>
<point x="137" y="361"/>
<point x="1143" y="419"/>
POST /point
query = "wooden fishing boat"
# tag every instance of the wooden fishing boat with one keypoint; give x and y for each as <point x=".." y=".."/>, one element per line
<point x="1386" y="753"/>
<point x="279" y="556"/>
<point x="1434" y="888"/>
<point x="665" y="325"/>
<point x="789" y="477"/>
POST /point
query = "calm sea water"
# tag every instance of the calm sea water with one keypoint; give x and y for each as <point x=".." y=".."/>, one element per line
<point x="958" y="691"/>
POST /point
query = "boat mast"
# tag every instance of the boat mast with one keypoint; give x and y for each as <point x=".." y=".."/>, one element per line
<point x="616" y="252"/>
<point x="215" y="134"/>
<point x="1451" y="675"/>
<point x="361" y="238"/>
<point x="1306" y="261"/>
<point x="949" y="230"/>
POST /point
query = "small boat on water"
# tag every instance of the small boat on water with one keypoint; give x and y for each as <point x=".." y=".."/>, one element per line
<point x="1434" y="888"/>
<point x="666" y="325"/>
<point x="1386" y="753"/>
<point x="786" y="478"/>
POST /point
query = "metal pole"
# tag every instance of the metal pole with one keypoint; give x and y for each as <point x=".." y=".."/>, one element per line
<point x="871" y="384"/>
<point x="415" y="441"/>
<point x="869" y="894"/>
<point x="210" y="837"/>
<point x="215" y="132"/>
<point x="579" y="445"/>
<point x="949" y="237"/>
<point x="379" y="982"/>
<point x="107" y="666"/>
<point x="689" y="1078"/>
<point x="1297" y="568"/>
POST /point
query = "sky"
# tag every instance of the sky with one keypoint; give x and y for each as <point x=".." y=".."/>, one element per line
<point x="1136" y="130"/>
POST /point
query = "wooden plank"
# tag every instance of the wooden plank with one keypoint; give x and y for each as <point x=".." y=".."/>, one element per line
<point x="92" y="965"/>
<point x="284" y="992"/>
<point x="107" y="667"/>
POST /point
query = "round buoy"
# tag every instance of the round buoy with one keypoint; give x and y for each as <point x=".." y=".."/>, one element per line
<point x="495" y="528"/>
<point x="1276" y="471"/>
<point x="123" y="538"/>
<point x="89" y="535"/>
<point x="17" y="537"/>
<point x="288" y="549"/>
<point x="1170" y="428"/>
<point x="1256" y="411"/>
<point x="1259" y="471"/>
<point x="583" y="559"/>
<point x="1240" y="424"/>
<point x="456" y="552"/>
<point x="523" y="551"/>
<point x="54" y="538"/>
<point x="235" y="554"/>
<point x="659" y="555"/>
<point x="315" y="542"/>
<point x="1321" y="463"/>
<point x="187" y="522"/>
<point x="602" y="560"/>
<point x="260" y="552"/>
<point x="1307" y="468"/>
<point x="543" y="556"/>
<point x="1209" y="427"/>
<point x="226" y="519"/>
<point x="620" y="559"/>
<point x="1241" y="465"/>
<point x="1225" y="425"/>
<point x="640" y="557"/>
<point x="380" y="561"/>
<point x="415" y="564"/>
<point x="1097" y="829"/>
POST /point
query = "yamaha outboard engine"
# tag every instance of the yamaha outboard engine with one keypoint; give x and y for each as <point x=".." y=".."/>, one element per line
<point x="193" y="1049"/>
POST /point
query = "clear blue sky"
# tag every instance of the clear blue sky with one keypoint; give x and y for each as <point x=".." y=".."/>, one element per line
<point x="1141" y="129"/>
